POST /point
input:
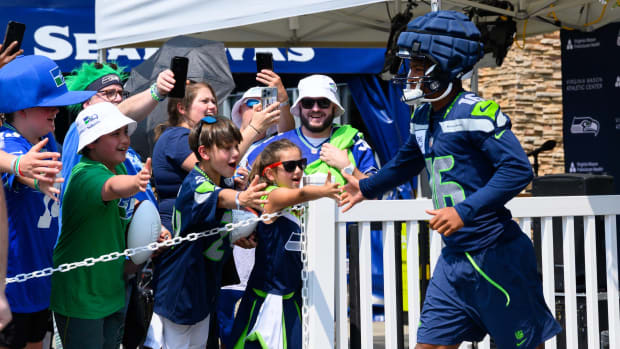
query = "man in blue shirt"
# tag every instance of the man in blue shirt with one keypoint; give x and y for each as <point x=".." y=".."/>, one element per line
<point x="485" y="280"/>
<point x="326" y="146"/>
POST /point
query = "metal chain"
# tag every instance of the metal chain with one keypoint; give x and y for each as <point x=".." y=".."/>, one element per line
<point x="305" y="329"/>
<point x="90" y="261"/>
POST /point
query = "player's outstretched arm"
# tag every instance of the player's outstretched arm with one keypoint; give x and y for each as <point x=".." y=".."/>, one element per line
<point x="352" y="193"/>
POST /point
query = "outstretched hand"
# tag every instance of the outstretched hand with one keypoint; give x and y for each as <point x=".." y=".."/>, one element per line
<point x="352" y="193"/>
<point x="331" y="190"/>
<point x="41" y="166"/>
<point x="251" y="197"/>
<point x="446" y="220"/>
<point x="143" y="177"/>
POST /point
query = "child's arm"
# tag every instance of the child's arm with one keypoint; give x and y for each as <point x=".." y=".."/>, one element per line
<point x="251" y="197"/>
<point x="124" y="186"/>
<point x="284" y="197"/>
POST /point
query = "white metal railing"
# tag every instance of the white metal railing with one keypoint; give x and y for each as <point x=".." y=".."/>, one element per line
<point x="327" y="284"/>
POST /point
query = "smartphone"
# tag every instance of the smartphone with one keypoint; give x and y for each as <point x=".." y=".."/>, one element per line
<point x="264" y="60"/>
<point x="14" y="32"/>
<point x="268" y="96"/>
<point x="179" y="65"/>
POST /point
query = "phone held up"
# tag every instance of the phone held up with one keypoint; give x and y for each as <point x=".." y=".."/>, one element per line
<point x="268" y="96"/>
<point x="14" y="32"/>
<point x="179" y="65"/>
<point x="264" y="60"/>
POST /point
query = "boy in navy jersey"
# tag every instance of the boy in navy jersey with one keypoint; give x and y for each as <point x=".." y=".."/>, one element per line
<point x="485" y="280"/>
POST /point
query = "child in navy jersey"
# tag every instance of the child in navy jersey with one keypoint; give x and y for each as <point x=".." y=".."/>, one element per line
<point x="269" y="313"/>
<point x="188" y="276"/>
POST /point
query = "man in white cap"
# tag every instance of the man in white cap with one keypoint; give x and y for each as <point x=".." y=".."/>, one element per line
<point x="326" y="146"/>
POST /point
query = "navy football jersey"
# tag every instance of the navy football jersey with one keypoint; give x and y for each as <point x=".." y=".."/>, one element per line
<point x="474" y="163"/>
<point x="277" y="263"/>
<point x="188" y="276"/>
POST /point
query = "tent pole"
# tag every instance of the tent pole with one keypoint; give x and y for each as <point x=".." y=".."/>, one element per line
<point x="101" y="54"/>
<point x="435" y="5"/>
<point x="474" y="80"/>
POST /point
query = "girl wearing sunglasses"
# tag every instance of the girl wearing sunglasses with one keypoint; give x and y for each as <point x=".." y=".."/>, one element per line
<point x="275" y="281"/>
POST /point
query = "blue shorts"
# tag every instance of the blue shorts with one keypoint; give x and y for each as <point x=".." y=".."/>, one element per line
<point x="495" y="290"/>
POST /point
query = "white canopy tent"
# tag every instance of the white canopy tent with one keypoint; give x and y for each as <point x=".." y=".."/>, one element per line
<point x="315" y="23"/>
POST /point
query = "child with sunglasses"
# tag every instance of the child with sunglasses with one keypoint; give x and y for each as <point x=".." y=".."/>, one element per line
<point x="188" y="276"/>
<point x="269" y="310"/>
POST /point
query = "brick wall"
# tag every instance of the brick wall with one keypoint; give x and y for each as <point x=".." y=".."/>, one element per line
<point x="528" y="88"/>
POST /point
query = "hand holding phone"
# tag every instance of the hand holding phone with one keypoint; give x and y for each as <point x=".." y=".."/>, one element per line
<point x="179" y="66"/>
<point x="264" y="60"/>
<point x="14" y="32"/>
<point x="268" y="96"/>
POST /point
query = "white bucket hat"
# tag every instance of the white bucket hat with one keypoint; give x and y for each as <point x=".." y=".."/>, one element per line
<point x="318" y="86"/>
<point x="235" y="115"/>
<point x="98" y="120"/>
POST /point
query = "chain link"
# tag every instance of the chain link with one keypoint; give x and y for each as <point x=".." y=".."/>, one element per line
<point x="90" y="261"/>
<point x="305" y="329"/>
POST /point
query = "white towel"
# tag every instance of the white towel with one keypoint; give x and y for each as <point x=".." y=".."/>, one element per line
<point x="269" y="326"/>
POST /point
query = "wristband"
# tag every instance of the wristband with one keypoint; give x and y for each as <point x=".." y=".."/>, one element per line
<point x="13" y="167"/>
<point x="18" y="171"/>
<point x="155" y="94"/>
<point x="36" y="185"/>
<point x="237" y="200"/>
<point x="284" y="104"/>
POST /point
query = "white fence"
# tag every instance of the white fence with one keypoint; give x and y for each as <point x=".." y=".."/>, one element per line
<point x="327" y="279"/>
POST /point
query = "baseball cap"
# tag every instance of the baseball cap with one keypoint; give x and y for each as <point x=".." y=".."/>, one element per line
<point x="317" y="86"/>
<point x="98" y="120"/>
<point x="35" y="81"/>
<point x="235" y="115"/>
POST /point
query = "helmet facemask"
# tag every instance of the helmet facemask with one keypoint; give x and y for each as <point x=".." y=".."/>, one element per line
<point x="418" y="87"/>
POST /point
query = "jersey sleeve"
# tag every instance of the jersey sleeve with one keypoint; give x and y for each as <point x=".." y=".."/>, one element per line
<point x="364" y="156"/>
<point x="503" y="150"/>
<point x="407" y="163"/>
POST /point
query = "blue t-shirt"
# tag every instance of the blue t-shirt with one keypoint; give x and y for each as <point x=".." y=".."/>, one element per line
<point x="475" y="164"/>
<point x="277" y="263"/>
<point x="171" y="149"/>
<point x="361" y="151"/>
<point x="70" y="158"/>
<point x="33" y="229"/>
<point x="188" y="276"/>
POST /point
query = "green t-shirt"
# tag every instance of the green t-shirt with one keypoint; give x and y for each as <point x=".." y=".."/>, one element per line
<point x="90" y="228"/>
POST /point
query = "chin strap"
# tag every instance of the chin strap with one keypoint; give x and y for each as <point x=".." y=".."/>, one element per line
<point x="416" y="96"/>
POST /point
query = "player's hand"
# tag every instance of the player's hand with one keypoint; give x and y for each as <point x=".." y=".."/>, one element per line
<point x="446" y="220"/>
<point x="241" y="178"/>
<point x="5" y="57"/>
<point x="271" y="79"/>
<point x="251" y="197"/>
<point x="334" y="156"/>
<point x="41" y="166"/>
<point x="165" y="82"/>
<point x="263" y="119"/>
<point x="352" y="193"/>
<point x="5" y="310"/>
<point x="142" y="178"/>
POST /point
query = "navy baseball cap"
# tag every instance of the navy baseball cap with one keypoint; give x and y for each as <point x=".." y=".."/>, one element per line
<point x="35" y="81"/>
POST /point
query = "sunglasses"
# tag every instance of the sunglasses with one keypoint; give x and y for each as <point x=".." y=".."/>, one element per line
<point x="308" y="103"/>
<point x="251" y="102"/>
<point x="290" y="165"/>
